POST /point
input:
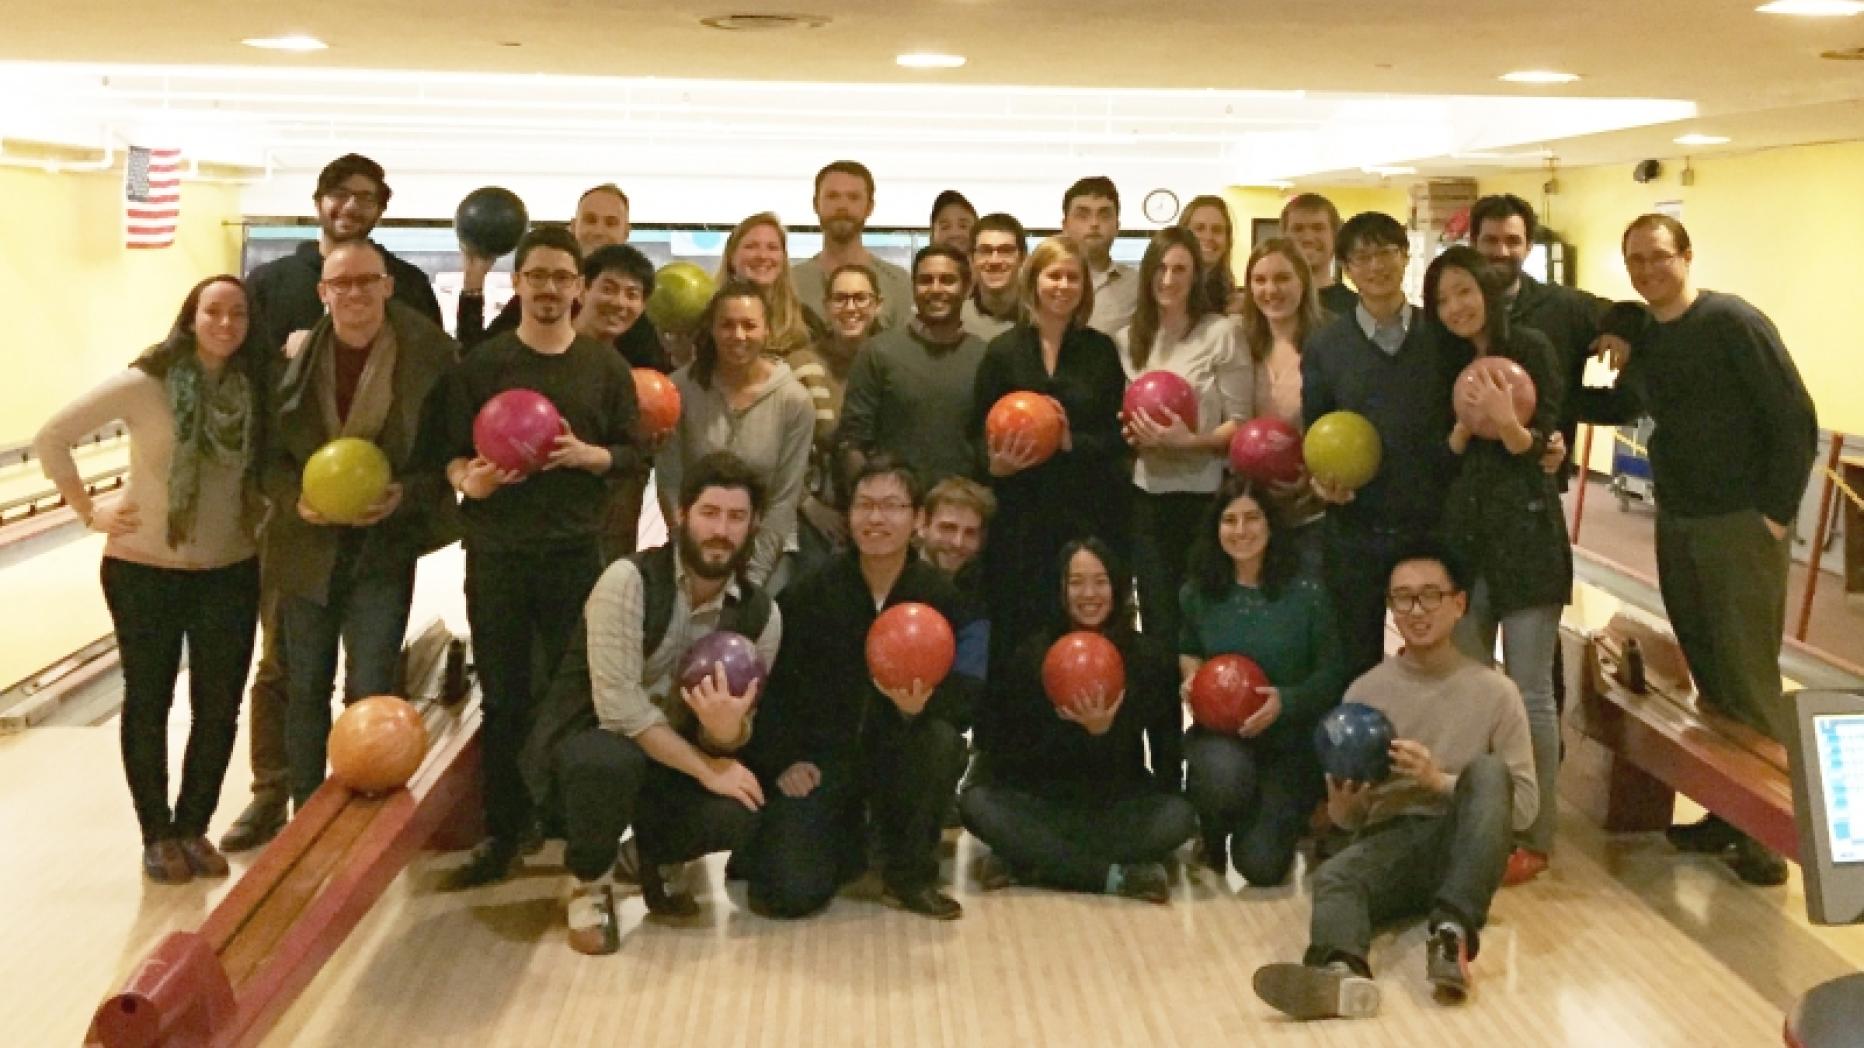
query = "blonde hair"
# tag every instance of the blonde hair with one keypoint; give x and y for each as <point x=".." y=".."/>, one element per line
<point x="789" y="326"/>
<point x="1047" y="253"/>
<point x="1308" y="318"/>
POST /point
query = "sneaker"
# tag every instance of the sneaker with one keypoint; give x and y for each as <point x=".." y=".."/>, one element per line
<point x="663" y="900"/>
<point x="1145" y="881"/>
<point x="990" y="873"/>
<point x="1710" y="836"/>
<point x="1446" y="963"/>
<point x="1524" y="864"/>
<point x="1302" y="991"/>
<point x="928" y="901"/>
<point x="202" y="859"/>
<point x="593" y="927"/>
<point x="255" y="826"/>
<point x="1757" y="864"/>
<point x="490" y="863"/>
<point x="163" y="863"/>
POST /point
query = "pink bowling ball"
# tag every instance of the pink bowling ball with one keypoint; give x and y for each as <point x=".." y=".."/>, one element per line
<point x="1156" y="392"/>
<point x="516" y="430"/>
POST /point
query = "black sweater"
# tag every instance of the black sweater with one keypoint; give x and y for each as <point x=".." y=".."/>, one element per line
<point x="1569" y="318"/>
<point x="1735" y="428"/>
<point x="640" y="344"/>
<point x="284" y="291"/>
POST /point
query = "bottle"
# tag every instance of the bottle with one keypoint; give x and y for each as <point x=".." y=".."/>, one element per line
<point x="1634" y="668"/>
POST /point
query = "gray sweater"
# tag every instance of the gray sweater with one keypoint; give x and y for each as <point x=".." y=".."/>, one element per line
<point x="913" y="397"/>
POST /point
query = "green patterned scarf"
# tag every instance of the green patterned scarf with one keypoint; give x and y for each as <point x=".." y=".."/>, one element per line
<point x="214" y="422"/>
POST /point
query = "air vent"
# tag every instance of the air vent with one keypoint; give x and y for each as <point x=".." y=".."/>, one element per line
<point x="763" y="23"/>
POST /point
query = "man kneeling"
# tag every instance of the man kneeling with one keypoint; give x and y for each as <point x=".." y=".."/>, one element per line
<point x="621" y="743"/>
<point x="1435" y="837"/>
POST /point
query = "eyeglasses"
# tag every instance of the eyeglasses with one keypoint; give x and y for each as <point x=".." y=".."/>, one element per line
<point x="365" y="198"/>
<point x="996" y="251"/>
<point x="878" y="507"/>
<point x="1388" y="254"/>
<point x="1430" y="598"/>
<point x="539" y="279"/>
<point x="346" y="285"/>
<point x="841" y="300"/>
<point x="1661" y="258"/>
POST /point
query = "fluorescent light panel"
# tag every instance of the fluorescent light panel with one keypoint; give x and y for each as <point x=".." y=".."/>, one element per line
<point x="1539" y="76"/>
<point x="929" y="60"/>
<point x="1813" y="8"/>
<point x="295" y="42"/>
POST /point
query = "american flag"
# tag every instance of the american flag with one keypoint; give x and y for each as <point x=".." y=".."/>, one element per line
<point x="151" y="197"/>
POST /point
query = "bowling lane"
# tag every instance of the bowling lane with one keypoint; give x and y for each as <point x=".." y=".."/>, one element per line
<point x="26" y="480"/>
<point x="55" y="604"/>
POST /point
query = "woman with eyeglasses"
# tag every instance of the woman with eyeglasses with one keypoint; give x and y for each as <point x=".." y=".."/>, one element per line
<point x="1503" y="515"/>
<point x="736" y="397"/>
<point x="180" y="567"/>
<point x="1207" y="218"/>
<point x="1254" y="791"/>
<point x="758" y="251"/>
<point x="852" y="303"/>
<point x="1062" y="795"/>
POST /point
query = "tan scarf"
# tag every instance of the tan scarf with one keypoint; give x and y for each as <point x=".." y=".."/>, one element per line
<point x="375" y="390"/>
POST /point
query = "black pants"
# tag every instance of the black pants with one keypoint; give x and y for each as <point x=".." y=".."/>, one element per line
<point x="609" y="783"/>
<point x="1070" y="845"/>
<point x="521" y="607"/>
<point x="1724" y="587"/>
<point x="1255" y="794"/>
<point x="156" y="611"/>
<point x="1358" y="565"/>
<point x="1164" y="530"/>
<point x="807" y="847"/>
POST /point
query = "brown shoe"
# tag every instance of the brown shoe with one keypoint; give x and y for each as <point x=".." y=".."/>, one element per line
<point x="593" y="928"/>
<point x="163" y="863"/>
<point x="203" y="858"/>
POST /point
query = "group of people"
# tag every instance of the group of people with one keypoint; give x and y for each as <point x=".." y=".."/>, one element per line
<point x="832" y="460"/>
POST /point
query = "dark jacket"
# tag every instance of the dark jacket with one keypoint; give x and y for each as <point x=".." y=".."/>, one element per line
<point x="1569" y="318"/>
<point x="822" y="705"/>
<point x="284" y="291"/>
<point x="1503" y="513"/>
<point x="300" y="555"/>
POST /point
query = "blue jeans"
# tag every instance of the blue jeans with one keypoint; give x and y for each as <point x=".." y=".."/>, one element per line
<point x="368" y="613"/>
<point x="1529" y="637"/>
<point x="1255" y="794"/>
<point x="1070" y="844"/>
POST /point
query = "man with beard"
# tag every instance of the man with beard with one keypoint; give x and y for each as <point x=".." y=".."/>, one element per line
<point x="622" y="743"/>
<point x="833" y="749"/>
<point x="910" y="391"/>
<point x="350" y="197"/>
<point x="1312" y="222"/>
<point x="1090" y="216"/>
<point x="532" y="550"/>
<point x="998" y="247"/>
<point x="617" y="279"/>
<point x="844" y="201"/>
<point x="601" y="220"/>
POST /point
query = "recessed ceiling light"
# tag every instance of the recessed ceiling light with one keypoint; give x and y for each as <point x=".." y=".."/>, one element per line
<point x="761" y="23"/>
<point x="929" y="60"/>
<point x="295" y="42"/>
<point x="1693" y="139"/>
<point x="1813" y="8"/>
<point x="1539" y="76"/>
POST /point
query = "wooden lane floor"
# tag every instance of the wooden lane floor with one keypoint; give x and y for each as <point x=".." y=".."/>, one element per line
<point x="55" y="604"/>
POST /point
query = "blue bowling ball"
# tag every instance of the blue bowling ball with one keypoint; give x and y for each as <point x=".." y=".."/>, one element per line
<point x="1354" y="741"/>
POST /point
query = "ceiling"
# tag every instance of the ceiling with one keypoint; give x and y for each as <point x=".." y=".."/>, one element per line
<point x="1262" y="76"/>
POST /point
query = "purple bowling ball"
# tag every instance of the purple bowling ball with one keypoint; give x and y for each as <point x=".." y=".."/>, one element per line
<point x="734" y="651"/>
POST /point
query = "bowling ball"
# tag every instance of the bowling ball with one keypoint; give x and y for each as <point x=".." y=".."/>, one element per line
<point x="1267" y="451"/>
<point x="734" y="651"/>
<point x="1342" y="449"/>
<point x="659" y="401"/>
<point x="1026" y="412"/>
<point x="1079" y="665"/>
<point x="516" y="430"/>
<point x="490" y="221"/>
<point x="1520" y="387"/>
<point x="908" y="642"/>
<point x="1354" y="741"/>
<point x="1155" y="392"/>
<point x="681" y="292"/>
<point x="1224" y="695"/>
<point x="377" y="744"/>
<point x="344" y="478"/>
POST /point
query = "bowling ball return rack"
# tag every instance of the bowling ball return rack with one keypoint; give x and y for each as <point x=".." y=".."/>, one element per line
<point x="228" y="982"/>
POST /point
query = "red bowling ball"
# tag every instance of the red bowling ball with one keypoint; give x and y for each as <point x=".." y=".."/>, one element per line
<point x="1267" y="451"/>
<point x="910" y="642"/>
<point x="516" y="430"/>
<point x="1157" y="392"/>
<point x="1520" y="388"/>
<point x="1081" y="665"/>
<point x="659" y="401"/>
<point x="1225" y="692"/>
<point x="1026" y="412"/>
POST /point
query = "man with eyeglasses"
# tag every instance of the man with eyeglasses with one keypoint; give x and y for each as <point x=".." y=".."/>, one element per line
<point x="351" y="194"/>
<point x="1313" y="223"/>
<point x="910" y="391"/>
<point x="998" y="247"/>
<point x="1433" y="838"/>
<point x="1383" y="361"/>
<point x="532" y="541"/>
<point x="844" y="201"/>
<point x="833" y="749"/>
<point x="1090" y="215"/>
<point x="601" y="220"/>
<point x="1734" y="439"/>
<point x="617" y="280"/>
<point x="365" y="371"/>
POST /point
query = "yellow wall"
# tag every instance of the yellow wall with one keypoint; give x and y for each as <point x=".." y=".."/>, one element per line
<point x="78" y="304"/>
<point x="1781" y="228"/>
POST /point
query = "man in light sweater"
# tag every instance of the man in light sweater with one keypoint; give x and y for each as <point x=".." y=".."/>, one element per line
<point x="1433" y="838"/>
<point x="844" y="201"/>
<point x="619" y="742"/>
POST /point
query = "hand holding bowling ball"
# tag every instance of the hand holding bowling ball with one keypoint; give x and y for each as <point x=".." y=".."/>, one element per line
<point x="1228" y="693"/>
<point x="516" y="430"/>
<point x="1024" y="430"/>
<point x="489" y="222"/>
<point x="1492" y="392"/>
<point x="732" y="652"/>
<point x="1159" y="410"/>
<point x="377" y="745"/>
<point x="1354" y="742"/>
<point x="1412" y="760"/>
<point x="1095" y="713"/>
<point x="344" y="480"/>
<point x="571" y="452"/>
<point x="910" y="649"/>
<point x="1342" y="451"/>
<point x="1083" y="670"/>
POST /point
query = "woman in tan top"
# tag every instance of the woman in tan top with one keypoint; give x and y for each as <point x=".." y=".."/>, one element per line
<point x="1280" y="310"/>
<point x="180" y="564"/>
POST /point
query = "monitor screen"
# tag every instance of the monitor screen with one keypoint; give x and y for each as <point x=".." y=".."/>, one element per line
<point x="1839" y="742"/>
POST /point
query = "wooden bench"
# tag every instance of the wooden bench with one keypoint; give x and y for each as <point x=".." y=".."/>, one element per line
<point x="230" y="981"/>
<point x="1634" y="752"/>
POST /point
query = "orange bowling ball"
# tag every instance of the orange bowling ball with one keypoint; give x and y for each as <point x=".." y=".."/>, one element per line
<point x="1080" y="665"/>
<point x="377" y="744"/>
<point x="659" y="401"/>
<point x="1026" y="412"/>
<point x="910" y="642"/>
